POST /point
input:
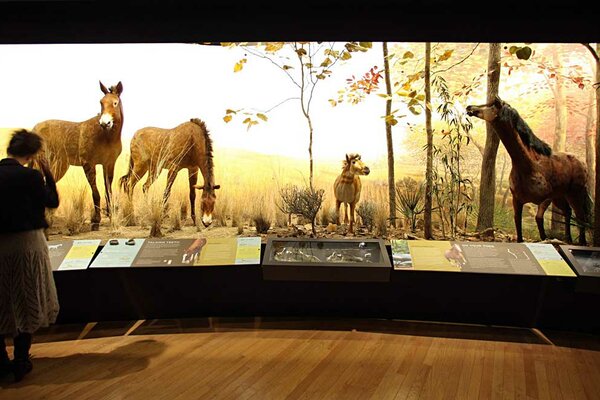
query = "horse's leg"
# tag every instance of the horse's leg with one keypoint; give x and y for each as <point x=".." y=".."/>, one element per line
<point x="578" y="207"/>
<point x="152" y="175"/>
<point x="337" y="211"/>
<point x="109" y="173"/>
<point x="90" y="174"/>
<point x="567" y="211"/>
<point x="170" y="180"/>
<point x="563" y="205"/>
<point x="518" y="211"/>
<point x="193" y="179"/>
<point x="139" y="170"/>
<point x="346" y="213"/>
<point x="351" y="229"/>
<point x="539" y="217"/>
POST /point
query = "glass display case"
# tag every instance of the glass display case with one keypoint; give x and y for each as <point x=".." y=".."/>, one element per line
<point x="326" y="260"/>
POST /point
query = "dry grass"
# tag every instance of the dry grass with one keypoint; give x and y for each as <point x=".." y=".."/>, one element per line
<point x="247" y="180"/>
<point x="75" y="207"/>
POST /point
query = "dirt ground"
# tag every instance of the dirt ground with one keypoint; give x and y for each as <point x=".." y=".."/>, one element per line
<point x="188" y="230"/>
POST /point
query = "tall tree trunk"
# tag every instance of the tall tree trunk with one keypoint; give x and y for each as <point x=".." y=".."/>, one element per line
<point x="590" y="156"/>
<point x="560" y="132"/>
<point x="388" y="135"/>
<point x="429" y="169"/>
<point x="485" y="218"/>
<point x="596" y="239"/>
<point x="501" y="181"/>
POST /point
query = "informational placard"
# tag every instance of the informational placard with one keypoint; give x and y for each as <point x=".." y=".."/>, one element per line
<point x="198" y="252"/>
<point x="69" y="255"/>
<point x="482" y="257"/>
<point x="118" y="253"/>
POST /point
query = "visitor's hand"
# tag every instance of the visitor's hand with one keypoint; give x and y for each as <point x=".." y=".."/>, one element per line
<point x="45" y="167"/>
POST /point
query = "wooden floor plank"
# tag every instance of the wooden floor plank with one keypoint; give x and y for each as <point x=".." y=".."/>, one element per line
<point x="295" y="364"/>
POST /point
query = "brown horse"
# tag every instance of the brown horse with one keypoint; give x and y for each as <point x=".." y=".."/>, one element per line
<point x="188" y="145"/>
<point x="538" y="175"/>
<point x="347" y="187"/>
<point x="87" y="144"/>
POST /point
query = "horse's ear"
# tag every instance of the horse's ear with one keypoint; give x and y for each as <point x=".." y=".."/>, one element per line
<point x="498" y="101"/>
<point x="347" y="158"/>
<point x="198" y="187"/>
<point x="103" y="88"/>
<point x="119" y="88"/>
<point x="216" y="187"/>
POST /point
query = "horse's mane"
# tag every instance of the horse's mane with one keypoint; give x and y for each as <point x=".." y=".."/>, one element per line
<point x="510" y="115"/>
<point x="351" y="156"/>
<point x="207" y="144"/>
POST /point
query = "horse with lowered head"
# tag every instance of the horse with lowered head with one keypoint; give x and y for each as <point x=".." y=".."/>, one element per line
<point x="188" y="145"/>
<point x="538" y="174"/>
<point x="87" y="144"/>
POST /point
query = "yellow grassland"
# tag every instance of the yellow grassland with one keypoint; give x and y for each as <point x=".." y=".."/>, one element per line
<point x="249" y="184"/>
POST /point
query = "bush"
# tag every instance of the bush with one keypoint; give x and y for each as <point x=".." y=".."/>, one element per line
<point x="305" y="201"/>
<point x="366" y="212"/>
<point x="410" y="200"/>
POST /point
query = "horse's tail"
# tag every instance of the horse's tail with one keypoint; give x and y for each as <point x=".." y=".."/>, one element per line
<point x="125" y="178"/>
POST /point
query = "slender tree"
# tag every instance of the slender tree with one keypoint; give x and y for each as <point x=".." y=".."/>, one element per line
<point x="429" y="168"/>
<point x="485" y="218"/>
<point x="595" y="53"/>
<point x="560" y="127"/>
<point x="590" y="155"/>
<point x="388" y="135"/>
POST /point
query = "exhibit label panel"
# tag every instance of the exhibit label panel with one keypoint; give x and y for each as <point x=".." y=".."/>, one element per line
<point x="481" y="257"/>
<point x="198" y="252"/>
<point x="68" y="255"/>
<point x="118" y="253"/>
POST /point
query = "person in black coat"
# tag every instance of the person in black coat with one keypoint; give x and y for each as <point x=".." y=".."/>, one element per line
<point x="28" y="298"/>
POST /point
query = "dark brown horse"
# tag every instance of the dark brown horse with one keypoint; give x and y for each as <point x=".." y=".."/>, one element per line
<point x="538" y="175"/>
<point x="87" y="144"/>
<point x="188" y="145"/>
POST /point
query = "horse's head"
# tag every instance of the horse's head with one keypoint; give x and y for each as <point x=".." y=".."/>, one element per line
<point x="354" y="164"/>
<point x="110" y="104"/>
<point x="487" y="112"/>
<point x="207" y="202"/>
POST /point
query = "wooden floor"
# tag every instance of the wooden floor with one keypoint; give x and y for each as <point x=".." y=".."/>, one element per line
<point x="295" y="359"/>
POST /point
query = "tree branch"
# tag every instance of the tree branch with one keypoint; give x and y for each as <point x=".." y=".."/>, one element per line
<point x="459" y="62"/>
<point x="591" y="49"/>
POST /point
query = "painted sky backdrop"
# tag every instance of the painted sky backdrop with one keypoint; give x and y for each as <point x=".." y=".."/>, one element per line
<point x="166" y="84"/>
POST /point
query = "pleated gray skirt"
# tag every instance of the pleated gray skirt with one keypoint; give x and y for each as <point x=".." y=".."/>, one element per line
<point x="28" y="299"/>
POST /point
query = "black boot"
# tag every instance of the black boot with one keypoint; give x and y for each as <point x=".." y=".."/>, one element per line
<point x="5" y="365"/>
<point x="22" y="365"/>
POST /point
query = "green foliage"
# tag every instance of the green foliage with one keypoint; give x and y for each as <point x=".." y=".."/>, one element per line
<point x="315" y="63"/>
<point x="410" y="196"/>
<point x="452" y="191"/>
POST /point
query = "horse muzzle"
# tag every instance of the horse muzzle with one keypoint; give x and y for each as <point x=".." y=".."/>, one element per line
<point x="471" y="111"/>
<point x="366" y="171"/>
<point x="206" y="220"/>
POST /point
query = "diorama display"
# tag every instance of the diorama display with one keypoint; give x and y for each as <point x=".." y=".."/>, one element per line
<point x="313" y="140"/>
<point x="585" y="260"/>
<point x="326" y="259"/>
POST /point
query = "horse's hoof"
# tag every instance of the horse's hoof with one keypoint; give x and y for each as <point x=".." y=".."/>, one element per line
<point x="95" y="226"/>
